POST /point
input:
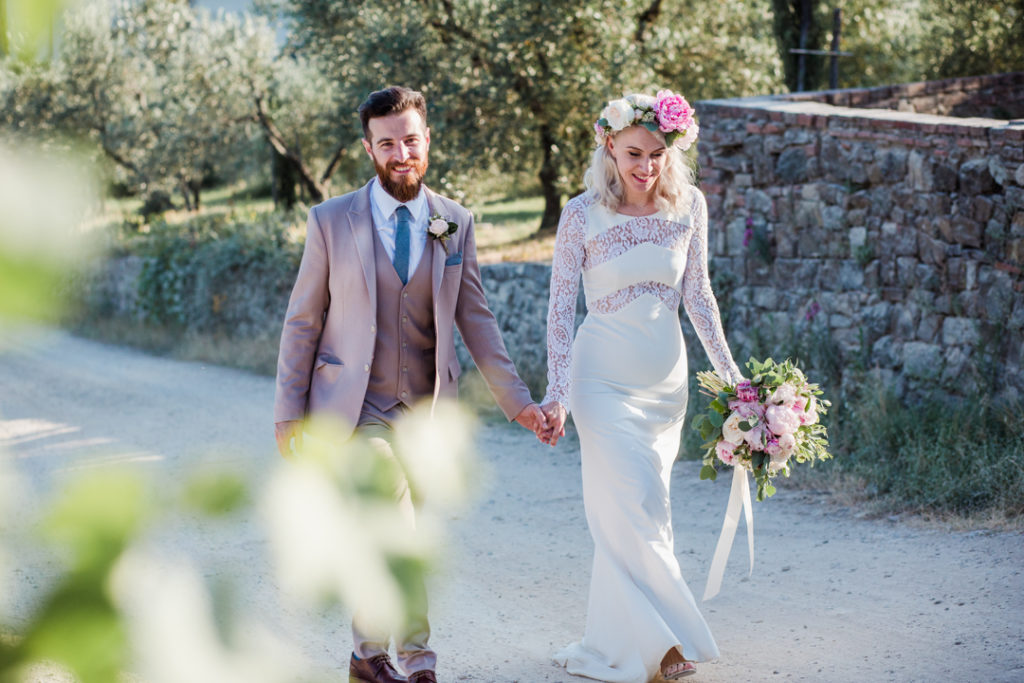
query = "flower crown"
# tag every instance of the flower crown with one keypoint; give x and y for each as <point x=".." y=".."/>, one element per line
<point x="668" y="112"/>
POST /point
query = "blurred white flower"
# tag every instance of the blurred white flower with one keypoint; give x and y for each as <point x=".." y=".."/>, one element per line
<point x="175" y="638"/>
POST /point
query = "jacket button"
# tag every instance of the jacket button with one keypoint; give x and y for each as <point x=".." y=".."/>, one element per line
<point x="373" y="328"/>
<point x="405" y="394"/>
<point x="366" y="367"/>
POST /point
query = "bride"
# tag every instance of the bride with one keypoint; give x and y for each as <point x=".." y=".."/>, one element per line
<point x="638" y="235"/>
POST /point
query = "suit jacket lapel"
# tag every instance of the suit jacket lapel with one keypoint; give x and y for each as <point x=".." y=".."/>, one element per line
<point x="360" y="221"/>
<point x="438" y="254"/>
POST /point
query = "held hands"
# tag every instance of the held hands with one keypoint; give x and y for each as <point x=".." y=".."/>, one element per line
<point x="284" y="432"/>
<point x="556" y="416"/>
<point x="533" y="419"/>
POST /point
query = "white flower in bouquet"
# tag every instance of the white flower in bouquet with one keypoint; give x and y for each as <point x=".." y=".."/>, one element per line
<point x="806" y="408"/>
<point x="731" y="431"/>
<point x="726" y="452"/>
<point x="784" y="394"/>
<point x="782" y="419"/>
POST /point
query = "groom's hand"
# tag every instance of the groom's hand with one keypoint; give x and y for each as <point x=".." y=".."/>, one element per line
<point x="284" y="432"/>
<point x="533" y="419"/>
<point x="556" y="417"/>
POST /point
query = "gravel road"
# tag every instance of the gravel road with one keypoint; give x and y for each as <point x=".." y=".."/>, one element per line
<point x="835" y="597"/>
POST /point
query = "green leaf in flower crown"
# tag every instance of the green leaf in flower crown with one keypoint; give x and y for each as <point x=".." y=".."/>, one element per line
<point x="698" y="420"/>
<point x="718" y="406"/>
<point x="650" y="125"/>
<point x="716" y="419"/>
<point x="708" y="430"/>
<point x="745" y="426"/>
<point x="708" y="472"/>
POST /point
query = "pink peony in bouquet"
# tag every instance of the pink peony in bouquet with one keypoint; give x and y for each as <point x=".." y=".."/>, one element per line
<point x="764" y="423"/>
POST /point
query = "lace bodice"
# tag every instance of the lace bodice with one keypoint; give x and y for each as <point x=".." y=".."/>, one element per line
<point x="581" y="246"/>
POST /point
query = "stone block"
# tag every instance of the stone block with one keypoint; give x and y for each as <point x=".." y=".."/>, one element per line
<point x="894" y="165"/>
<point x="975" y="178"/>
<point x="944" y="178"/>
<point x="765" y="298"/>
<point x="967" y="231"/>
<point x="927" y="277"/>
<point x="955" y="363"/>
<point x="1014" y="198"/>
<point x="922" y="360"/>
<point x="981" y="209"/>
<point x="1017" y="224"/>
<point x="998" y="171"/>
<point x="871" y="275"/>
<point x="876" y="318"/>
<point x="734" y="233"/>
<point x="905" y="322"/>
<point x="791" y="166"/>
<point x="1018" y="175"/>
<point x="928" y="328"/>
<point x="758" y="200"/>
<point x="931" y="250"/>
<point x="886" y="353"/>
<point x="851" y="276"/>
<point x="833" y="218"/>
<point x="858" y="237"/>
<point x="919" y="172"/>
<point x="906" y="271"/>
<point x="959" y="331"/>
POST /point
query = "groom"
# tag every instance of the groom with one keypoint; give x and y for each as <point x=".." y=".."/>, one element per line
<point x="368" y="331"/>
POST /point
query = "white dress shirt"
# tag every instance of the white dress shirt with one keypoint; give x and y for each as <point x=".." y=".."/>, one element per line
<point x="383" y="206"/>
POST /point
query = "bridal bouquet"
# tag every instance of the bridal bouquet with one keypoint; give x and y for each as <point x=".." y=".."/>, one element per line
<point x="764" y="423"/>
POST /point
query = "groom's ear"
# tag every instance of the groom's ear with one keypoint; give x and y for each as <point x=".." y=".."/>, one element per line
<point x="368" y="147"/>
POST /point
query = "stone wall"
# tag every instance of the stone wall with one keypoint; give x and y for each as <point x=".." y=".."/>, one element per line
<point x="997" y="96"/>
<point x="898" y="236"/>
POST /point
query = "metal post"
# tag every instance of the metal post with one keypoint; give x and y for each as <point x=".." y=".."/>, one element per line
<point x="833" y="71"/>
<point x="805" y="24"/>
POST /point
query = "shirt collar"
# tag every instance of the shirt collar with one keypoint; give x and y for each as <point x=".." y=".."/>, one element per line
<point x="387" y="204"/>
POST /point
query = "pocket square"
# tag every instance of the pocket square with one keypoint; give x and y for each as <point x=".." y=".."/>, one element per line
<point x="454" y="259"/>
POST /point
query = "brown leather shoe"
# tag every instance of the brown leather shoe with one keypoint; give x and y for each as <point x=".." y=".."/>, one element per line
<point x="376" y="669"/>
<point x="425" y="676"/>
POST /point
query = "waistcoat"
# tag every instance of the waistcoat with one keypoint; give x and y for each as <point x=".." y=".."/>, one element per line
<point x="403" y="367"/>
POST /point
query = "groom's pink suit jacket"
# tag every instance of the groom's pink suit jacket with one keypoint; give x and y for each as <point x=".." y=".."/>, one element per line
<point x="330" y="329"/>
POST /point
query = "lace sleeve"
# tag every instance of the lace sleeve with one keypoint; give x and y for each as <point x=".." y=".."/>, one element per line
<point x="699" y="300"/>
<point x="565" y="277"/>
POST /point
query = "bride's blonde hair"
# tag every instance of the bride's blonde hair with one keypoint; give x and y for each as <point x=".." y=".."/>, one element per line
<point x="671" y="191"/>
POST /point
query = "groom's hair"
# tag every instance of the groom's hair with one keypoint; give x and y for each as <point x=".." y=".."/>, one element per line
<point x="391" y="100"/>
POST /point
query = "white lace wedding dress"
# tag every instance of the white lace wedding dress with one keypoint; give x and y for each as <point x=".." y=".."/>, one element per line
<point x="624" y="379"/>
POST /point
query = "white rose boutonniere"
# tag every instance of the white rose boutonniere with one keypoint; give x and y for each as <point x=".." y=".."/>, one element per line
<point x="441" y="229"/>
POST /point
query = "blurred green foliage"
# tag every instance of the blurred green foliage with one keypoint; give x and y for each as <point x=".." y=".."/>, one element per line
<point x="78" y="625"/>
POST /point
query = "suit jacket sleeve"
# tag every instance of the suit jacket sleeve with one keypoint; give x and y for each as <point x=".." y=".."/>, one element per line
<point x="482" y="336"/>
<point x="303" y="325"/>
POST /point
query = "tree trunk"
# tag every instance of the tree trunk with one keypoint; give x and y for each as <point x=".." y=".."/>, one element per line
<point x="186" y="193"/>
<point x="282" y="181"/>
<point x="549" y="184"/>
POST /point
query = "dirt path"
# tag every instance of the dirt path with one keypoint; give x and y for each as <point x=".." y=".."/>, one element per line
<point x="834" y="598"/>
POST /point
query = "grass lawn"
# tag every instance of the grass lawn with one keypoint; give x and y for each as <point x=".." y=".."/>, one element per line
<point x="505" y="228"/>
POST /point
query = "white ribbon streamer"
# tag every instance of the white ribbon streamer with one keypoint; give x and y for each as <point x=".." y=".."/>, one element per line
<point x="739" y="496"/>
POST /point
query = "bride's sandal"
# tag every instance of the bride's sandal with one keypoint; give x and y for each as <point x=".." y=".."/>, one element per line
<point x="674" y="666"/>
<point x="673" y="672"/>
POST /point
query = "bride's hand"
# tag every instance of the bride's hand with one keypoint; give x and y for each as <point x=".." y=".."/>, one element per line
<point x="556" y="416"/>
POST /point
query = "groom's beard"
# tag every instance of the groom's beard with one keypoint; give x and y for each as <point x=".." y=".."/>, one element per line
<point x="406" y="186"/>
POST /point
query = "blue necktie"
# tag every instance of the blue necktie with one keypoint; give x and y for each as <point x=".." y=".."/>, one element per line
<point x="402" y="243"/>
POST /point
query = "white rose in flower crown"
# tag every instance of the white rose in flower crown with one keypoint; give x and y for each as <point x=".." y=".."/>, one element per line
<point x="644" y="101"/>
<point x="685" y="140"/>
<point x="619" y="114"/>
<point x="438" y="227"/>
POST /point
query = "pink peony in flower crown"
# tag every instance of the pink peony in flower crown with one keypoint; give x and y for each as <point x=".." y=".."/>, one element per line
<point x="668" y="112"/>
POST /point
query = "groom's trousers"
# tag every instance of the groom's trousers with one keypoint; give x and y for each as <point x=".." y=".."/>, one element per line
<point x="377" y="427"/>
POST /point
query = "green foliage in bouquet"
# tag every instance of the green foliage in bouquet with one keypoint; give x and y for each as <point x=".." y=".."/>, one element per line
<point x="764" y="423"/>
